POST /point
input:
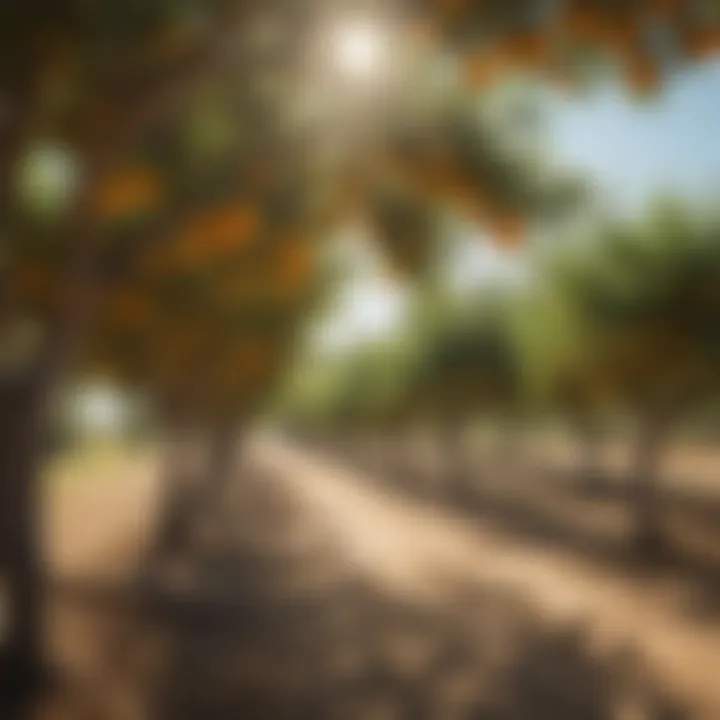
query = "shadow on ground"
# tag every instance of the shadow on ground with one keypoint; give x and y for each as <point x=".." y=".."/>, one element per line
<point x="260" y="618"/>
<point x="547" y="507"/>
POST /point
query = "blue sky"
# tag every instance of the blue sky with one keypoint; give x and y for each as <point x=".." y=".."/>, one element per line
<point x="633" y="149"/>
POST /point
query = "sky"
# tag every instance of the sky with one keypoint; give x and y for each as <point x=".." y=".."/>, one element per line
<point x="634" y="150"/>
<point x="630" y="150"/>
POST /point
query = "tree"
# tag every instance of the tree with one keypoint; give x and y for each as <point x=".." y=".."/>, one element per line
<point x="556" y="349"/>
<point x="207" y="341"/>
<point x="466" y="369"/>
<point x="650" y="308"/>
<point x="100" y="83"/>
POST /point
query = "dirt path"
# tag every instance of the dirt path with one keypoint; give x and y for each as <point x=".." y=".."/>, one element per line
<point x="98" y="512"/>
<point x="415" y="551"/>
<point x="313" y="550"/>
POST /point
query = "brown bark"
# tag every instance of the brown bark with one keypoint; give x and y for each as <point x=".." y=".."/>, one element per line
<point x="408" y="458"/>
<point x="222" y="457"/>
<point x="21" y="417"/>
<point x="179" y="488"/>
<point x="590" y="478"/>
<point x="457" y="468"/>
<point x="649" y="540"/>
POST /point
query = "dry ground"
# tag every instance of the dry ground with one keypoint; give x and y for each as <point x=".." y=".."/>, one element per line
<point x="312" y="592"/>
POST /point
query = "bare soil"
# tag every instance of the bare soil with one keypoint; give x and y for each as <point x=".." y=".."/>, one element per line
<point x="312" y="591"/>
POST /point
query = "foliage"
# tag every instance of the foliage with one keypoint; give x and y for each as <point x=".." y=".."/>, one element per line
<point x="645" y="304"/>
<point x="624" y="321"/>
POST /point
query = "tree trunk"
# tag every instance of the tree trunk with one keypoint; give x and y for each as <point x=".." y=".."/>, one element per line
<point x="179" y="489"/>
<point x="508" y="447"/>
<point x="21" y="415"/>
<point x="408" y="451"/>
<point x="222" y="457"/>
<point x="457" y="470"/>
<point x="590" y="478"/>
<point x="649" y="541"/>
<point x="376" y="455"/>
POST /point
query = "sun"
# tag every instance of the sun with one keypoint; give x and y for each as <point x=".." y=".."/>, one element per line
<point x="357" y="49"/>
